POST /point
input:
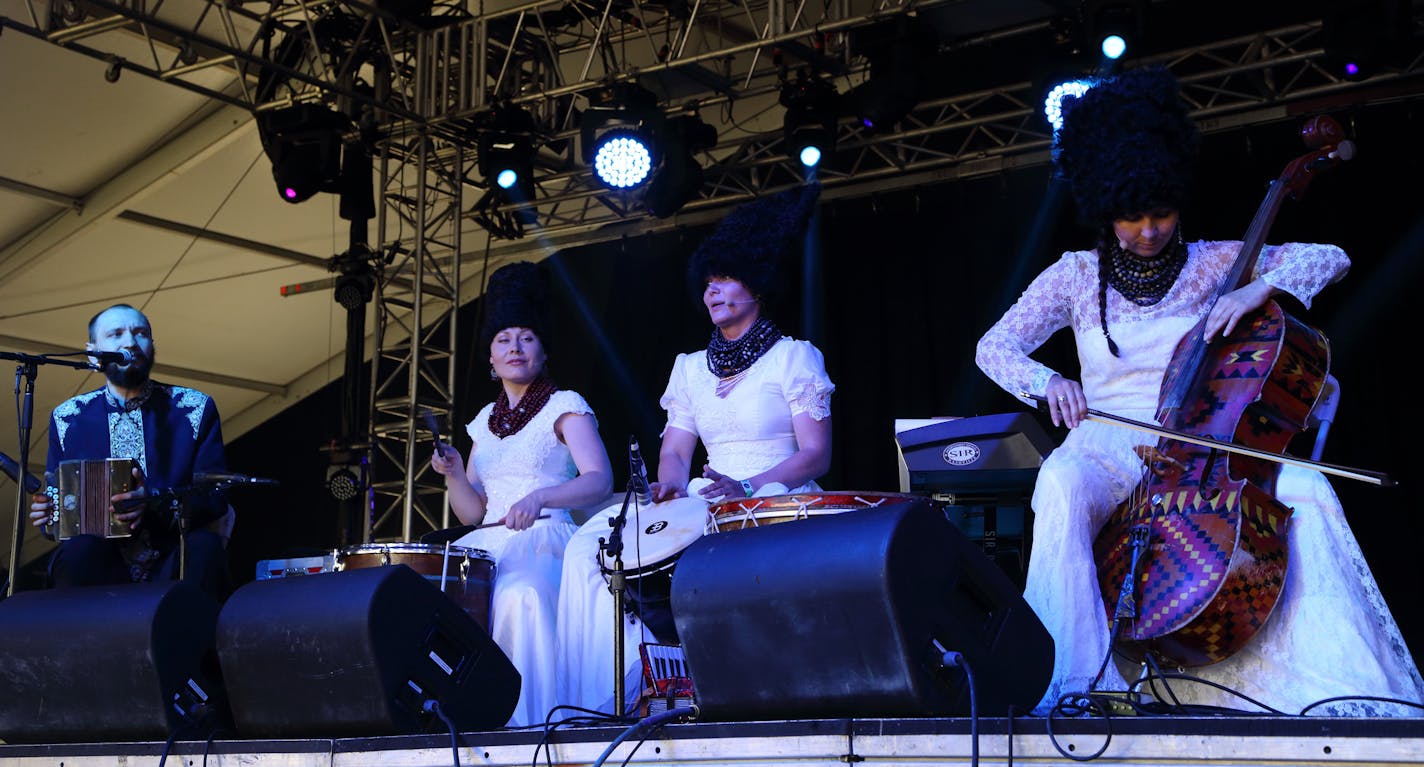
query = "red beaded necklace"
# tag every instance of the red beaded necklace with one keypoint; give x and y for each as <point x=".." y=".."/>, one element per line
<point x="505" y="421"/>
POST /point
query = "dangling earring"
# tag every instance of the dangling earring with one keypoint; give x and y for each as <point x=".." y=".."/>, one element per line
<point x="493" y="375"/>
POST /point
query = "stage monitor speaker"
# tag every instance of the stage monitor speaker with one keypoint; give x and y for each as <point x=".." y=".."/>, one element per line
<point x="109" y="663"/>
<point x="844" y="615"/>
<point x="359" y="652"/>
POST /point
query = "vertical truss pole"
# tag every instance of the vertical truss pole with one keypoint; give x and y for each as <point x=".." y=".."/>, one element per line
<point x="413" y="366"/>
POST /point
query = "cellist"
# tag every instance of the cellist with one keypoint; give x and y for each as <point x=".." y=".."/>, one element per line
<point x="1127" y="151"/>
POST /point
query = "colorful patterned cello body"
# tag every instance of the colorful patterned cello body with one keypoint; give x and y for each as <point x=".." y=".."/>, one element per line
<point x="1191" y="566"/>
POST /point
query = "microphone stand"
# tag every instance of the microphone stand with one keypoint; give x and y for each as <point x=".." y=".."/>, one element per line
<point x="213" y="488"/>
<point x="614" y="547"/>
<point x="28" y="369"/>
<point x="174" y="499"/>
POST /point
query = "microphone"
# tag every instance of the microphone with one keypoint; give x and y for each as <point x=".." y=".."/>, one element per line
<point x="120" y="357"/>
<point x="12" y="470"/>
<point x="639" y="472"/>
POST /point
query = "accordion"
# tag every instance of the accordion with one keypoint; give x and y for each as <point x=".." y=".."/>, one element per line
<point x="85" y="487"/>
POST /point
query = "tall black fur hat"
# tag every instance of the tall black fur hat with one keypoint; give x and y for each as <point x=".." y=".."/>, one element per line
<point x="517" y="297"/>
<point x="1128" y="145"/>
<point x="749" y="241"/>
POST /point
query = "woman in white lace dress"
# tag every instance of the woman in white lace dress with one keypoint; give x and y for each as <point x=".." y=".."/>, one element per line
<point x="1127" y="149"/>
<point x="535" y="454"/>
<point x="759" y="402"/>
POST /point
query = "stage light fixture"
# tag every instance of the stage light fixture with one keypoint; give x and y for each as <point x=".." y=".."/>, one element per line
<point x="1053" y="101"/>
<point x="304" y="144"/>
<point x="1363" y="38"/>
<point x="1113" y="47"/>
<point x="898" y="53"/>
<point x="620" y="133"/>
<point x="813" y="107"/>
<point x="1113" y="27"/>
<point x="623" y="159"/>
<point x="505" y="143"/>
<point x="342" y="482"/>
<point x="679" y="177"/>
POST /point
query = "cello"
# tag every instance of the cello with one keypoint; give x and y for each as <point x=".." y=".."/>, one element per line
<point x="1191" y="565"/>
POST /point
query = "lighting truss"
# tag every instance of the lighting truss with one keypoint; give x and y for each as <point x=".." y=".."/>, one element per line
<point x="549" y="55"/>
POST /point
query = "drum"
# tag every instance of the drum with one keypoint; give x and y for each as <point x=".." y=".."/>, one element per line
<point x="464" y="573"/>
<point x="757" y="512"/>
<point x="653" y="540"/>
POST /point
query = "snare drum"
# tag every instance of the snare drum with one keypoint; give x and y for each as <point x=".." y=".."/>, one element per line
<point x="466" y="574"/>
<point x="653" y="540"/>
<point x="743" y="513"/>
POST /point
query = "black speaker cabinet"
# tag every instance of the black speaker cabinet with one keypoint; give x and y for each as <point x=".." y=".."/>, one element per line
<point x="844" y="616"/>
<point x="359" y="652"/>
<point x="109" y="663"/>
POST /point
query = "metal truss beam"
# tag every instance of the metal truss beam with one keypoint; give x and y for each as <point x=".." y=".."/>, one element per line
<point x="413" y="370"/>
<point x="430" y="75"/>
<point x="1247" y="79"/>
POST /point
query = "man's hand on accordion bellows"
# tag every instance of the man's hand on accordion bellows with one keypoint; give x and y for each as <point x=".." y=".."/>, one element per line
<point x="125" y="508"/>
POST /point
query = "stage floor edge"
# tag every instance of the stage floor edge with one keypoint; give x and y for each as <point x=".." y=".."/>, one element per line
<point x="1137" y="741"/>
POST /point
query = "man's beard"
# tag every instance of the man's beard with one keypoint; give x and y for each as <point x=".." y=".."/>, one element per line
<point x="130" y="376"/>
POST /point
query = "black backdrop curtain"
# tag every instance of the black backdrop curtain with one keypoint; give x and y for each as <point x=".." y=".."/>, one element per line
<point x="911" y="279"/>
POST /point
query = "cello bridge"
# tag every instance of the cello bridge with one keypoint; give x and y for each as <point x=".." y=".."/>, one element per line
<point x="1158" y="462"/>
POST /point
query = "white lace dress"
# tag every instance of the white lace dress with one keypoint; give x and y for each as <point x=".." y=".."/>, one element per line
<point x="525" y="594"/>
<point x="744" y="434"/>
<point x="1331" y="633"/>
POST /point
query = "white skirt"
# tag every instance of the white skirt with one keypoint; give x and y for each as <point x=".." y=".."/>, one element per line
<point x="524" y="603"/>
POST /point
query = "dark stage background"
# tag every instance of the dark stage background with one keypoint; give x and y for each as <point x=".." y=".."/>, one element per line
<point x="911" y="280"/>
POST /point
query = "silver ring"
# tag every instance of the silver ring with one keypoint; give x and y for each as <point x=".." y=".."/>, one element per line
<point x="1062" y="398"/>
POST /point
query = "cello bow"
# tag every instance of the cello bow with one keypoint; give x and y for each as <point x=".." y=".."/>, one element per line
<point x="1361" y="475"/>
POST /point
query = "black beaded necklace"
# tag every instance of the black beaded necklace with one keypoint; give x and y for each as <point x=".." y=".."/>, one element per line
<point x="728" y="358"/>
<point x="1145" y="281"/>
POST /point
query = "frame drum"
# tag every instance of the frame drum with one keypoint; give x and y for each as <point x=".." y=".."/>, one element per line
<point x="743" y="513"/>
<point x="466" y="574"/>
<point x="653" y="540"/>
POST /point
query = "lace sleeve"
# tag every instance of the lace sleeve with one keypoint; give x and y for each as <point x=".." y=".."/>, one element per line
<point x="1302" y="269"/>
<point x="804" y="381"/>
<point x="675" y="399"/>
<point x="1043" y="309"/>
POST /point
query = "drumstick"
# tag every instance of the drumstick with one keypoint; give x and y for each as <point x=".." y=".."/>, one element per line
<point x="501" y="522"/>
<point x="428" y="418"/>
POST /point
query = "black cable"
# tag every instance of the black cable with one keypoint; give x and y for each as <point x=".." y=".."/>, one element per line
<point x="646" y="727"/>
<point x="1009" y="751"/>
<point x="208" y="745"/>
<point x="550" y="726"/>
<point x="1377" y="699"/>
<point x="1212" y="710"/>
<point x="952" y="659"/>
<point x="1076" y="705"/>
<point x="1153" y="668"/>
<point x="434" y="707"/>
<point x="1113" y="637"/>
<point x="172" y="738"/>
